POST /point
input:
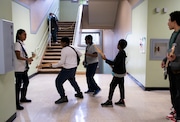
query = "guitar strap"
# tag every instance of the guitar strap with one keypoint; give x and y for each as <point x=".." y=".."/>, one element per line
<point x="27" y="66"/>
<point x="78" y="59"/>
<point x="173" y="39"/>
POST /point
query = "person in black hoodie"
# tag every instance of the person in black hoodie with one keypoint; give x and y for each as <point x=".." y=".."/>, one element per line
<point x="119" y="71"/>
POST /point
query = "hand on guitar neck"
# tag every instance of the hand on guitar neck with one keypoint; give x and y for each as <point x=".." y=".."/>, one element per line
<point x="170" y="57"/>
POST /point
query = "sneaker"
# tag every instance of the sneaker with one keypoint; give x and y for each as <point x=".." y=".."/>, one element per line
<point x="96" y="92"/>
<point x="120" y="102"/>
<point x="18" y="107"/>
<point x="88" y="91"/>
<point x="79" y="95"/>
<point x="62" y="100"/>
<point x="107" y="103"/>
<point x="25" y="100"/>
<point x="171" y="115"/>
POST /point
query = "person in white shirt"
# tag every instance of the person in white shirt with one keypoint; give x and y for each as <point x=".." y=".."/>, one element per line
<point x="21" y="62"/>
<point x="69" y="65"/>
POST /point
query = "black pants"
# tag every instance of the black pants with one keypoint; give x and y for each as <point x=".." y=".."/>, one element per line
<point x="21" y="80"/>
<point x="172" y="86"/>
<point x="177" y="97"/>
<point x="116" y="81"/>
<point x="66" y="74"/>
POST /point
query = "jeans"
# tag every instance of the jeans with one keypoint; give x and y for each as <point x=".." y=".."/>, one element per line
<point x="90" y="72"/>
<point x="66" y="74"/>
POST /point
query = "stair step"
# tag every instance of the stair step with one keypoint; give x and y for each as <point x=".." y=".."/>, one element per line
<point x="62" y="32"/>
<point x="51" y="57"/>
<point x="53" y="50"/>
<point x="50" y="61"/>
<point x="54" y="47"/>
<point x="49" y="70"/>
<point x="52" y="54"/>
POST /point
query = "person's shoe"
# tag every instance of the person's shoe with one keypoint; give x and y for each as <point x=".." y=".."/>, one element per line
<point x="18" y="107"/>
<point x="62" y="100"/>
<point x="25" y="100"/>
<point x="96" y="92"/>
<point x="107" y="103"/>
<point x="88" y="91"/>
<point x="120" y="102"/>
<point x="79" y="95"/>
<point x="172" y="114"/>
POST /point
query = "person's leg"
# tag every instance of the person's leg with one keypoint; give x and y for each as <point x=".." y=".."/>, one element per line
<point x="25" y="87"/>
<point x="173" y="92"/>
<point x="61" y="78"/>
<point x="177" y="99"/>
<point x="73" y="82"/>
<point x="172" y="87"/>
<point x="122" y="93"/>
<point x="91" y="73"/>
<point x="121" y="88"/>
<point x="113" y="85"/>
<point x="18" y="77"/>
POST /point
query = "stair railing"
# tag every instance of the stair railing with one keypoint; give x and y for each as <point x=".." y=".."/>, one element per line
<point x="77" y="33"/>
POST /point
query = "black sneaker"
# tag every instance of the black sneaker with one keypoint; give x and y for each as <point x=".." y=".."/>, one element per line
<point x="120" y="102"/>
<point x="88" y="91"/>
<point x="25" y="100"/>
<point x="96" y="92"/>
<point x="62" y="100"/>
<point x="107" y="103"/>
<point x="79" y="95"/>
<point x="18" y="107"/>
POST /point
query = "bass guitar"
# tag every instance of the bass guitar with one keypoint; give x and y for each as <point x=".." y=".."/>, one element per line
<point x="167" y="62"/>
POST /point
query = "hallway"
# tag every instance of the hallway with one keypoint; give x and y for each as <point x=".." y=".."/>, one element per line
<point x="141" y="106"/>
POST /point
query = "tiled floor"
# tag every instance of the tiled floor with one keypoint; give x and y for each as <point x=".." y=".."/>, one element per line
<point x="141" y="106"/>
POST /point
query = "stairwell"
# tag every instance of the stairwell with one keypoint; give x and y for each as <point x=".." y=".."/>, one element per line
<point x="52" y="53"/>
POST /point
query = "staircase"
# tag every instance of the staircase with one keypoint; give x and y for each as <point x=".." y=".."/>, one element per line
<point x="52" y="53"/>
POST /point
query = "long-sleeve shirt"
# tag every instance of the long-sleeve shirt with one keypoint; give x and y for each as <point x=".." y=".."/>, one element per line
<point x="68" y="58"/>
<point x="118" y="65"/>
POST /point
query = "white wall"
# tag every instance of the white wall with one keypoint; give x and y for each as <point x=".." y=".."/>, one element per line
<point x="7" y="87"/>
<point x="136" y="60"/>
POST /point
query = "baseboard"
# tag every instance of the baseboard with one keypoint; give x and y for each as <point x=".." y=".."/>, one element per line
<point x="33" y="75"/>
<point x="146" y="88"/>
<point x="11" y="118"/>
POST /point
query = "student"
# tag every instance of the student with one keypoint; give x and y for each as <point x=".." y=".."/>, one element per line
<point x="173" y="69"/>
<point x="21" y="68"/>
<point x="119" y="71"/>
<point x="54" y="26"/>
<point x="91" y="62"/>
<point x="69" y="63"/>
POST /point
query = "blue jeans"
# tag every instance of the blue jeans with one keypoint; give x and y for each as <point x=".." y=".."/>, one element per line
<point x="66" y="74"/>
<point x="90" y="72"/>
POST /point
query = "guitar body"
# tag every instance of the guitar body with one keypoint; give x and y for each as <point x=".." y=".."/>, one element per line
<point x="165" y="73"/>
<point x="167" y="62"/>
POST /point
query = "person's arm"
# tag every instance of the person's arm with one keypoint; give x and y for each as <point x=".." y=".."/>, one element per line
<point x="61" y="61"/>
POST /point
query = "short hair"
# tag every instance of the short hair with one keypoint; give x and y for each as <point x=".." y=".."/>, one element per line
<point x="175" y="16"/>
<point x="122" y="43"/>
<point x="90" y="38"/>
<point x="65" y="39"/>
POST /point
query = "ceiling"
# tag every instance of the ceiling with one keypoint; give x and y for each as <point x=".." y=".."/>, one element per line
<point x="101" y="14"/>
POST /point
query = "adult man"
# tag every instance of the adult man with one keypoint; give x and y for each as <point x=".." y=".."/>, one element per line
<point x="174" y="76"/>
<point x="69" y="64"/>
